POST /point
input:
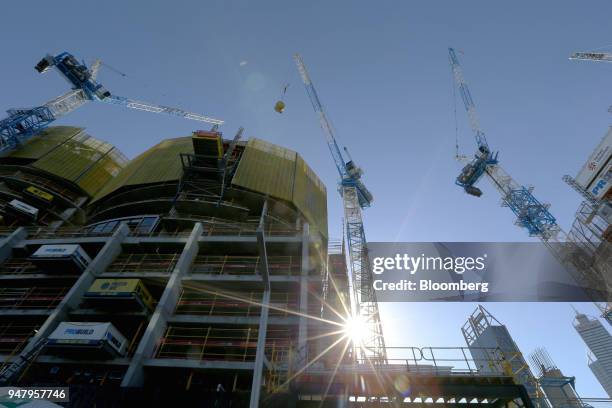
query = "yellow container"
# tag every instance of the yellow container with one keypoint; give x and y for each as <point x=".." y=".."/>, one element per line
<point x="117" y="289"/>
<point x="39" y="194"/>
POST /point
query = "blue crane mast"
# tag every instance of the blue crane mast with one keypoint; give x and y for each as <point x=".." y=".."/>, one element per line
<point x="23" y="123"/>
<point x="355" y="196"/>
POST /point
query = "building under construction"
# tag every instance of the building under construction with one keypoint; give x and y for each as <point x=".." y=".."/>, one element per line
<point x="199" y="274"/>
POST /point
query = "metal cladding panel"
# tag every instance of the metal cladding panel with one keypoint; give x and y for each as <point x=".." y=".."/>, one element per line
<point x="267" y="169"/>
<point x="310" y="195"/>
<point x="598" y="159"/>
<point x="161" y="163"/>
<point x="73" y="155"/>
<point x="44" y="142"/>
<point x="270" y="169"/>
<point x="105" y="169"/>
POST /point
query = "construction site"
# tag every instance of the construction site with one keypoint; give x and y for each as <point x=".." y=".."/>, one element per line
<point x="202" y="273"/>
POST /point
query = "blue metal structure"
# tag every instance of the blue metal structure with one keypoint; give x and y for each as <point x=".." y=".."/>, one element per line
<point x="350" y="174"/>
<point x="355" y="196"/>
<point x="474" y="170"/>
<point x="531" y="214"/>
<point x="24" y="123"/>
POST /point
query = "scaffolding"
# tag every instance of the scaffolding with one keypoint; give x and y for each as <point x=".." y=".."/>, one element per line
<point x="245" y="265"/>
<point x="219" y="343"/>
<point x="245" y="303"/>
<point x="18" y="266"/>
<point x="14" y="336"/>
<point x="32" y="297"/>
<point x="144" y="262"/>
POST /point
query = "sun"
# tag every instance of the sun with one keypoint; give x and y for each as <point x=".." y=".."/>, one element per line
<point x="354" y="329"/>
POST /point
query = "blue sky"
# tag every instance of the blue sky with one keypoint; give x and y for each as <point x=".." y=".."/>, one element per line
<point x="381" y="71"/>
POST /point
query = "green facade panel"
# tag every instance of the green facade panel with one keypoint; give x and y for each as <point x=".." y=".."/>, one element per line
<point x="283" y="174"/>
<point x="70" y="153"/>
<point x="161" y="163"/>
<point x="267" y="169"/>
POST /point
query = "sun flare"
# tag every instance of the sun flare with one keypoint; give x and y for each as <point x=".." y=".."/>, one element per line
<point x="354" y="329"/>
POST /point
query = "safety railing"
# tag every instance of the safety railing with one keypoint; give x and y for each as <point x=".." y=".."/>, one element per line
<point x="143" y="262"/>
<point x="64" y="232"/>
<point x="209" y="302"/>
<point x="32" y="297"/>
<point x="18" y="266"/>
<point x="53" y="187"/>
<point x="14" y="337"/>
<point x="475" y="361"/>
<point x="152" y="234"/>
<point x="245" y="265"/>
<point x="217" y="343"/>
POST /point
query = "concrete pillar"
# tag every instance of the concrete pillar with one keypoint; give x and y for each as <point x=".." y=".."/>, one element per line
<point x="260" y="354"/>
<point x="73" y="298"/>
<point x="134" y="377"/>
<point x="303" y="326"/>
<point x="8" y="243"/>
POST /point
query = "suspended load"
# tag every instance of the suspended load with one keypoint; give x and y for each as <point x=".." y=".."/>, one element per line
<point x="279" y="107"/>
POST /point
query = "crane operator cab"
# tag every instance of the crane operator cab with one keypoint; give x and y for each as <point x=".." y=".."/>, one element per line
<point x="353" y="171"/>
<point x="472" y="171"/>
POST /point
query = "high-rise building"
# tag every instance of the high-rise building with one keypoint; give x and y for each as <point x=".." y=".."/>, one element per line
<point x="196" y="270"/>
<point x="197" y="274"/>
<point x="599" y="342"/>
<point x="486" y="337"/>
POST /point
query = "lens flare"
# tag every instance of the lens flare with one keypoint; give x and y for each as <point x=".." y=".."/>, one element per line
<point x="354" y="329"/>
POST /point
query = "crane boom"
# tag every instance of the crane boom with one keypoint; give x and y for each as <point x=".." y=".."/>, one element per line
<point x="592" y="56"/>
<point x="468" y="102"/>
<point x="355" y="196"/>
<point x="483" y="159"/>
<point x="24" y="123"/>
<point x="325" y="125"/>
<point x="149" y="107"/>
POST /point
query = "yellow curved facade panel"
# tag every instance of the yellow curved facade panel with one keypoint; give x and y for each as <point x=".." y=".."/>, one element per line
<point x="283" y="174"/>
<point x="71" y="154"/>
<point x="160" y="163"/>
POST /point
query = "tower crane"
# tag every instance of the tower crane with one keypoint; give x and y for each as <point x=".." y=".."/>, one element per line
<point x="355" y="196"/>
<point x="531" y="214"/>
<point x="592" y="56"/>
<point x="23" y="123"/>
